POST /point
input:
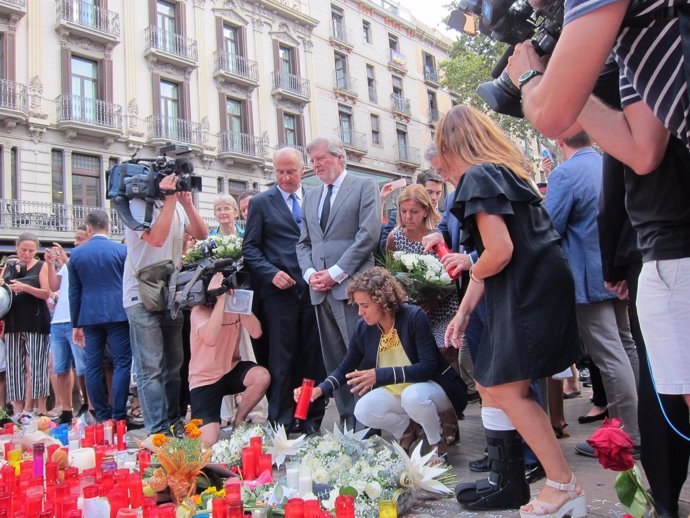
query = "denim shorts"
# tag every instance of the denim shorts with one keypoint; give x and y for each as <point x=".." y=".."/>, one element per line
<point x="65" y="352"/>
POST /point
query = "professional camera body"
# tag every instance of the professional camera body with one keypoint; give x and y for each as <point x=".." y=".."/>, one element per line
<point x="140" y="178"/>
<point x="188" y="286"/>
<point x="14" y="269"/>
<point x="513" y="22"/>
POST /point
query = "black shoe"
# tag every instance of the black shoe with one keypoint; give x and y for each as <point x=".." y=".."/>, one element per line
<point x="311" y="429"/>
<point x="480" y="465"/>
<point x="534" y="472"/>
<point x="296" y="426"/>
<point x="84" y="408"/>
<point x="584" y="419"/>
<point x="65" y="417"/>
<point x="133" y="424"/>
<point x="471" y="398"/>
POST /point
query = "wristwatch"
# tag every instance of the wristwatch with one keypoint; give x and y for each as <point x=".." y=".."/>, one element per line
<point x="527" y="76"/>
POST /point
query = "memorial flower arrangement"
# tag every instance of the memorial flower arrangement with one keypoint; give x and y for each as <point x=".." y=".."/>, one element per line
<point x="421" y="275"/>
<point x="613" y="448"/>
<point x="229" y="451"/>
<point x="216" y="247"/>
<point x="181" y="460"/>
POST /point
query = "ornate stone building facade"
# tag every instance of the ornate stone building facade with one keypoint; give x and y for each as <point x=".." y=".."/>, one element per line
<point x="85" y="84"/>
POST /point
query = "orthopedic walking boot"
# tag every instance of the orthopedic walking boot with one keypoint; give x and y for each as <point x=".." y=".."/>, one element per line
<point x="506" y="487"/>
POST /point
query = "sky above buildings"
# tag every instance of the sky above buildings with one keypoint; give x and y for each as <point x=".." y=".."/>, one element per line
<point x="431" y="12"/>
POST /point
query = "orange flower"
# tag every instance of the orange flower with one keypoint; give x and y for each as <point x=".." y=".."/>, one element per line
<point x="194" y="434"/>
<point x="196" y="422"/>
<point x="159" y="439"/>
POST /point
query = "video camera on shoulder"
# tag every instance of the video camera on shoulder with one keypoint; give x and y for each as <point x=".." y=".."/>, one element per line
<point x="14" y="269"/>
<point x="140" y="178"/>
<point x="189" y="285"/>
<point x="512" y="22"/>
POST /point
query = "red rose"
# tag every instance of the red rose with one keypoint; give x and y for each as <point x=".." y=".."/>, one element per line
<point x="612" y="446"/>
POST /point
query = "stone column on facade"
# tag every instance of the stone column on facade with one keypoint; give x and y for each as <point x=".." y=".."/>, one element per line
<point x="67" y="175"/>
<point x="35" y="14"/>
<point x="130" y="33"/>
<point x="202" y="70"/>
<point x="261" y="92"/>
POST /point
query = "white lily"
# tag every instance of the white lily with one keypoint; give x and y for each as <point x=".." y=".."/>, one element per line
<point x="350" y="434"/>
<point x="282" y="446"/>
<point x="417" y="475"/>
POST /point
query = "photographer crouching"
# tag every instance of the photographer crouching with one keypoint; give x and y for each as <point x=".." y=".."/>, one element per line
<point x="155" y="336"/>
<point x="215" y="368"/>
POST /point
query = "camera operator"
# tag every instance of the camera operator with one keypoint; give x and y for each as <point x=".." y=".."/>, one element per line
<point x="156" y="338"/>
<point x="650" y="56"/>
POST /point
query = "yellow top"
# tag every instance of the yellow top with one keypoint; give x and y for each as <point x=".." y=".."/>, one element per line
<point x="392" y="354"/>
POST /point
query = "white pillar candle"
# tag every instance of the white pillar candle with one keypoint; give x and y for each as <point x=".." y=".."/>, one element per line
<point x="292" y="475"/>
<point x="305" y="486"/>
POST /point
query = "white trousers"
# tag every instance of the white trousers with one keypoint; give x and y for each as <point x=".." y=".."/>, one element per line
<point x="663" y="306"/>
<point x="420" y="402"/>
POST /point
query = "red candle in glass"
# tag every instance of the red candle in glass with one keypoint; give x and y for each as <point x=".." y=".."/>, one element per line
<point x="8" y="447"/>
<point x="148" y="509"/>
<point x="256" y="445"/>
<point x="51" y="449"/>
<point x="312" y="508"/>
<point x="265" y="463"/>
<point x="121" y="427"/>
<point x="248" y="463"/>
<point x="8" y="428"/>
<point x="90" y="433"/>
<point x="144" y="459"/>
<point x="219" y="508"/>
<point x="118" y="500"/>
<point x="136" y="490"/>
<point x="26" y="468"/>
<point x="74" y="513"/>
<point x="442" y="250"/>
<point x="294" y="508"/>
<point x="302" y="407"/>
<point x="100" y="453"/>
<point x="233" y="489"/>
<point x="169" y="511"/>
<point x="235" y="509"/>
<point x="99" y="434"/>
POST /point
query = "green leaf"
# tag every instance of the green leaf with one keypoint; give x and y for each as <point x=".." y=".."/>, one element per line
<point x="639" y="505"/>
<point x="348" y="490"/>
<point x="625" y="488"/>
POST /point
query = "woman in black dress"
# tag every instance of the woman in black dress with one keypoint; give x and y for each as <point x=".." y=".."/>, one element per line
<point x="27" y="325"/>
<point x="531" y="329"/>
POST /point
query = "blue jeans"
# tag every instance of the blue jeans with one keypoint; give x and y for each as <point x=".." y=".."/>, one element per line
<point x="157" y="354"/>
<point x="65" y="351"/>
<point x="116" y="334"/>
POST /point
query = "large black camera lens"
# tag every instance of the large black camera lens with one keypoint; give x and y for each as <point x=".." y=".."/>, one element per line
<point x="502" y="96"/>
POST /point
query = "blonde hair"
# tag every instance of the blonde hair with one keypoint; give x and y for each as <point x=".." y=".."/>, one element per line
<point x="417" y="193"/>
<point x="472" y="137"/>
<point x="225" y="199"/>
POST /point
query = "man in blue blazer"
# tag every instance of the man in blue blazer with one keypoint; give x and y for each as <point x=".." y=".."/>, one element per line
<point x="95" y="297"/>
<point x="270" y="238"/>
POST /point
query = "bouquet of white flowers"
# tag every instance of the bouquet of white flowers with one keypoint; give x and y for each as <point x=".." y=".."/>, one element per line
<point x="421" y="275"/>
<point x="216" y="247"/>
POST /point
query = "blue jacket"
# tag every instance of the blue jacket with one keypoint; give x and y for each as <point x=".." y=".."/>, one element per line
<point x="414" y="331"/>
<point x="572" y="201"/>
<point x="95" y="282"/>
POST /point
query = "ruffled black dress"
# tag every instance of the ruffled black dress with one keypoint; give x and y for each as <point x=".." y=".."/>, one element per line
<point x="531" y="328"/>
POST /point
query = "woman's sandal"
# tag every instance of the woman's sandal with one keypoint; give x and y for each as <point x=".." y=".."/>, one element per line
<point x="575" y="506"/>
<point x="560" y="431"/>
<point x="412" y="432"/>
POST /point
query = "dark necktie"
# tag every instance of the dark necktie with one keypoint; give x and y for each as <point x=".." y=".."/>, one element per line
<point x="326" y="210"/>
<point x="296" y="212"/>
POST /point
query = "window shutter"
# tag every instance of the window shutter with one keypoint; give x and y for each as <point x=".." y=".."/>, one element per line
<point x="300" y="130"/>
<point x="153" y="13"/>
<point x="276" y="56"/>
<point x="222" y="103"/>
<point x="103" y="4"/>
<point x="281" y="127"/>
<point x="242" y="32"/>
<point x="181" y="18"/>
<point x="156" y="86"/>
<point x="220" y="44"/>
<point x="8" y="52"/>
<point x="294" y="58"/>
<point x="186" y="101"/>
<point x="247" y="121"/>
<point x="66" y="71"/>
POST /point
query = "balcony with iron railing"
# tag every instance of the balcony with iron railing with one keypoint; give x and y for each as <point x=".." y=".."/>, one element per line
<point x="242" y="147"/>
<point x="355" y="142"/>
<point x="401" y="105"/>
<point x="171" y="129"/>
<point x="13" y="7"/>
<point x="291" y="86"/>
<point x="236" y="68"/>
<point x="88" y="116"/>
<point x="341" y="36"/>
<point x="345" y="84"/>
<point x="434" y="115"/>
<point x="88" y="20"/>
<point x="49" y="220"/>
<point x="13" y="102"/>
<point x="407" y="156"/>
<point x="431" y="75"/>
<point x="397" y="61"/>
<point x="170" y="46"/>
<point x="373" y="96"/>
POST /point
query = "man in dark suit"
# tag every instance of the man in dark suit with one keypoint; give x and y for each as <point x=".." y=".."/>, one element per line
<point x="341" y="225"/>
<point x="270" y="239"/>
<point x="95" y="297"/>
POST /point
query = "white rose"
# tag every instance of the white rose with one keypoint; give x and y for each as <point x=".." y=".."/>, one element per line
<point x="373" y="490"/>
<point x="409" y="260"/>
<point x="445" y="278"/>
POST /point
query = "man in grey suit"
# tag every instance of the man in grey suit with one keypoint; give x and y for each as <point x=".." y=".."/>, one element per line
<point x="341" y="225"/>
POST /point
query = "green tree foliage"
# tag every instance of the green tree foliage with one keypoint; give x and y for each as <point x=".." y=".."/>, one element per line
<point x="470" y="64"/>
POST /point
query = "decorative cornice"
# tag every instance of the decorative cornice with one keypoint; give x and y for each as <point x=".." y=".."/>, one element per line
<point x="228" y="86"/>
<point x="169" y="68"/>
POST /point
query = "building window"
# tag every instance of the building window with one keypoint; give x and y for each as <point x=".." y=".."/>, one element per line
<point x="375" y="129"/>
<point x="290" y="129"/>
<point x="235" y="187"/>
<point x="401" y="136"/>
<point x="341" y="78"/>
<point x="57" y="170"/>
<point x="220" y="185"/>
<point x="167" y="26"/>
<point x="338" y="23"/>
<point x="3" y="64"/>
<point x="170" y="110"/>
<point x="393" y="43"/>
<point x="285" y="59"/>
<point x="397" y="85"/>
<point x="231" y="40"/>
<point x="371" y="83"/>
<point x="433" y="106"/>
<point x="430" y="67"/>
<point x="86" y="180"/>
<point x="233" y="115"/>
<point x="84" y="86"/>
<point x="345" y="120"/>
<point x="366" y="31"/>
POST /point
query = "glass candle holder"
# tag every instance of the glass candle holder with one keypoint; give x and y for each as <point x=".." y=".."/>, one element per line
<point x="302" y="407"/>
<point x="249" y="463"/>
<point x="388" y="509"/>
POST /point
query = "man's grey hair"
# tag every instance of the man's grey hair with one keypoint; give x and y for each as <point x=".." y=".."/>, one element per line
<point x="333" y="145"/>
<point x="299" y="156"/>
<point x="97" y="219"/>
<point x="431" y="152"/>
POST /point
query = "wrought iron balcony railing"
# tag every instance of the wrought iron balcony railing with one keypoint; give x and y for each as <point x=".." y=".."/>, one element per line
<point x="90" y="16"/>
<point x="345" y="82"/>
<point x="401" y="104"/>
<point x="353" y="139"/>
<point x="176" y="130"/>
<point x="89" y="111"/>
<point x="291" y="83"/>
<point x="434" y="115"/>
<point x="373" y="96"/>
<point x="243" y="144"/>
<point x="13" y="96"/>
<point x="430" y="74"/>
<point x="172" y="43"/>
<point x="407" y="154"/>
<point x="236" y="65"/>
